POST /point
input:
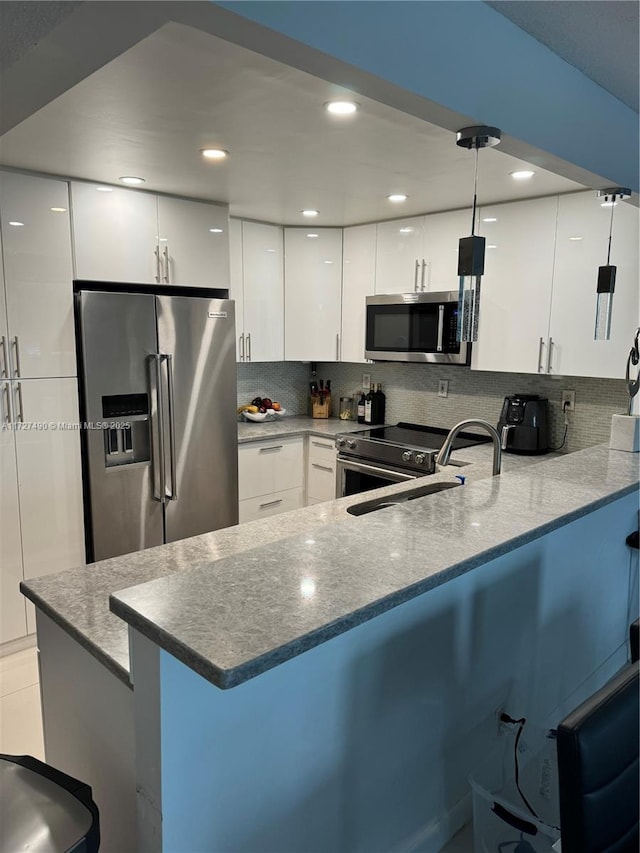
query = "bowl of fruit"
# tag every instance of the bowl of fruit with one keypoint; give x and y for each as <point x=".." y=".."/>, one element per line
<point x="261" y="409"/>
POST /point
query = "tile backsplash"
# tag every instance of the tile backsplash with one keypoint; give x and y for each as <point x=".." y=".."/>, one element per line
<point x="412" y="394"/>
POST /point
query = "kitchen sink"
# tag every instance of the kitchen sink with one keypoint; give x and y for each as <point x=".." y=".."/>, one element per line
<point x="396" y="500"/>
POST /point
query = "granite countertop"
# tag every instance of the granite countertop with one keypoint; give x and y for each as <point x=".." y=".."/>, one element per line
<point x="298" y="595"/>
<point x="295" y="425"/>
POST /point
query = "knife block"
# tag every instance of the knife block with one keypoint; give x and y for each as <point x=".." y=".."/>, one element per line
<point x="321" y="409"/>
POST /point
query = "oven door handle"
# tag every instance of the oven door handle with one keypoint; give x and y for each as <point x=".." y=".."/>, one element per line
<point x="364" y="468"/>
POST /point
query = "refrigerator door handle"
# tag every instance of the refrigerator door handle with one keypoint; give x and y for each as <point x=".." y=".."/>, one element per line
<point x="157" y="429"/>
<point x="172" y="430"/>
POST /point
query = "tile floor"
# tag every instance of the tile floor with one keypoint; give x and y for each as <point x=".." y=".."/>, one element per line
<point x="21" y="721"/>
<point x="20" y="714"/>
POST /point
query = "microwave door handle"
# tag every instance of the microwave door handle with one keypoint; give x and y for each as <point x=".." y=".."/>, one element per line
<point x="440" y="327"/>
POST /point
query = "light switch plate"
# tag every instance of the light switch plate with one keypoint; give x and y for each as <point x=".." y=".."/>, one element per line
<point x="366" y="381"/>
<point x="443" y="388"/>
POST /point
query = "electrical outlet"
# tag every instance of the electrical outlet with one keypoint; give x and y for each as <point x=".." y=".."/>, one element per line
<point x="568" y="401"/>
<point x="443" y="388"/>
<point x="366" y="381"/>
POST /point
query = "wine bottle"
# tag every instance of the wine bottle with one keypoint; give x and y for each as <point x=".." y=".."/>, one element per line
<point x="368" y="406"/>
<point x="361" y="404"/>
<point x="381" y="403"/>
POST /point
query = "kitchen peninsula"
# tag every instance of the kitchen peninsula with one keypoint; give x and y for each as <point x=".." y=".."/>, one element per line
<point x="361" y="659"/>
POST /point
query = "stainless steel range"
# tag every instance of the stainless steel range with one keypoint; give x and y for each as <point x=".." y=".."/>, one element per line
<point x="381" y="456"/>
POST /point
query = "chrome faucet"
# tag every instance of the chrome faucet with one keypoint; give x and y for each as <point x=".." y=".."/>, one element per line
<point x="445" y="451"/>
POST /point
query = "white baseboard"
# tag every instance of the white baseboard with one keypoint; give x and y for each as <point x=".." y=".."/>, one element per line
<point x="435" y="834"/>
<point x="18" y="645"/>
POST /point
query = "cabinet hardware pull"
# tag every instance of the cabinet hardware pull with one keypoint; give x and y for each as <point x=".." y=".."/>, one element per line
<point x="5" y="414"/>
<point x="166" y="262"/>
<point x="156" y="252"/>
<point x="270" y="449"/>
<point x="4" y="372"/>
<point x="248" y="346"/>
<point x="415" y="276"/>
<point x="550" y="355"/>
<point x="17" y="371"/>
<point x="337" y="347"/>
<point x="20" y="403"/>
<point x="540" y="361"/>
<point x="424" y="267"/>
<point x="241" y="340"/>
<point x="320" y="444"/>
<point x="323" y="467"/>
<point x="271" y="503"/>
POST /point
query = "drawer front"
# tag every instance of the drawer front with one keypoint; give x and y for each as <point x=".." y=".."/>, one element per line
<point x="322" y="449"/>
<point x="261" y="507"/>
<point x="265" y="467"/>
<point x="321" y="480"/>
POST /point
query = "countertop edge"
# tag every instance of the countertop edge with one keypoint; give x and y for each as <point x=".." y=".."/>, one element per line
<point x="229" y="678"/>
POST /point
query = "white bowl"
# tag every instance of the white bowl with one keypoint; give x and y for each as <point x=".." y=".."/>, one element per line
<point x="257" y="416"/>
<point x="280" y="412"/>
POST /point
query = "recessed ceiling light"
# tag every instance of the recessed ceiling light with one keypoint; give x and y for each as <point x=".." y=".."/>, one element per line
<point x="608" y="204"/>
<point x="490" y="219"/>
<point x="131" y="179"/>
<point x="397" y="197"/>
<point x="492" y="246"/>
<point x="270" y="250"/>
<point x="59" y="209"/>
<point x="328" y="262"/>
<point x="575" y="238"/>
<point x="215" y="230"/>
<point x="17" y="224"/>
<point x="406" y="230"/>
<point x="105" y="189"/>
<point x="309" y="212"/>
<point x="312" y="235"/>
<point x="341" y="108"/>
<point x="522" y="175"/>
<point x="214" y="153"/>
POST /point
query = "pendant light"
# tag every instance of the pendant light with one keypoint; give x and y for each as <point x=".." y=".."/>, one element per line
<point x="471" y="249"/>
<point x="607" y="273"/>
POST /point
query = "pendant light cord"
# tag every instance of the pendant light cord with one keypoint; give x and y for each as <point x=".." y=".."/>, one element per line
<point x="475" y="196"/>
<point x="613" y="204"/>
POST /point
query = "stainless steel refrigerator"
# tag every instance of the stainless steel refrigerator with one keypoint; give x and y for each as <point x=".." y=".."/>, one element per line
<point x="158" y="393"/>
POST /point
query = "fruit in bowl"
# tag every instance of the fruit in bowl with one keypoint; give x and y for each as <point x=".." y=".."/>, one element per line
<point x="254" y="416"/>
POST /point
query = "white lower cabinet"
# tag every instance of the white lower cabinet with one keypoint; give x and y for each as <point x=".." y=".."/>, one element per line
<point x="270" y="477"/>
<point x="41" y="469"/>
<point x="321" y="470"/>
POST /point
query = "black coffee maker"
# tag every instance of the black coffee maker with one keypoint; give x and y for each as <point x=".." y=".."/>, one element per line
<point x="524" y="424"/>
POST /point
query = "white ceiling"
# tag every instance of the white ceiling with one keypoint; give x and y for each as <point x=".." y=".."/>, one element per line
<point x="149" y="111"/>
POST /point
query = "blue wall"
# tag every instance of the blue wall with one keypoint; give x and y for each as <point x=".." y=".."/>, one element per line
<point x="464" y="56"/>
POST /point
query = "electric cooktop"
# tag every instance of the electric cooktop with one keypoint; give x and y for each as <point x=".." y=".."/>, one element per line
<point x="420" y="437"/>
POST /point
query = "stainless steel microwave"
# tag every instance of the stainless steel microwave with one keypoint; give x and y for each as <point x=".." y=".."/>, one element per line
<point x="415" y="327"/>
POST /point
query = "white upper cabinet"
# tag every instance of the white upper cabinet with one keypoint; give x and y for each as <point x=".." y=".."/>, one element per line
<point x="235" y="282"/>
<point x="39" y="338"/>
<point x="582" y="240"/>
<point x="358" y="282"/>
<point x="442" y="233"/>
<point x="400" y="256"/>
<point x="313" y="284"/>
<point x="263" y="291"/>
<point x="516" y="286"/>
<point x="115" y="233"/>
<point x="136" y="237"/>
<point x="194" y="242"/>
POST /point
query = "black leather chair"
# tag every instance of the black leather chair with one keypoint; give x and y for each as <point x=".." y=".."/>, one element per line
<point x="598" y="769"/>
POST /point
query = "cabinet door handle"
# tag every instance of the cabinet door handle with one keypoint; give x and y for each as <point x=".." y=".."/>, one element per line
<point x="156" y="252"/>
<point x="20" y="406"/>
<point x="415" y="276"/>
<point x="16" y="345"/>
<point x="320" y="444"/>
<point x="323" y="467"/>
<point x="241" y="343"/>
<point x="271" y="449"/>
<point x="424" y="268"/>
<point x="540" y="361"/>
<point x="271" y="503"/>
<point x="4" y="371"/>
<point x="166" y="262"/>
<point x="248" y="346"/>
<point x="5" y="414"/>
<point x="550" y="355"/>
<point x="337" y="347"/>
